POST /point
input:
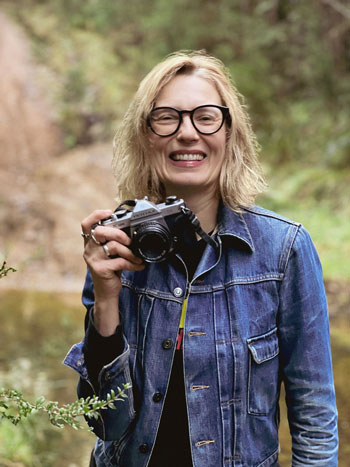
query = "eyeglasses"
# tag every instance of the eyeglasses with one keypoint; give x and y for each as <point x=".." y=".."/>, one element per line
<point x="206" y="119"/>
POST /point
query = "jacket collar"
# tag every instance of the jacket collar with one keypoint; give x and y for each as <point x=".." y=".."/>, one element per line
<point x="232" y="224"/>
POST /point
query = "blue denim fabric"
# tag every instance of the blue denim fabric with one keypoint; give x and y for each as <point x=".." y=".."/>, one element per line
<point x="256" y="316"/>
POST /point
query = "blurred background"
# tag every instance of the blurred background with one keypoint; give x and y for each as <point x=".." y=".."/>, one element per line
<point x="68" y="71"/>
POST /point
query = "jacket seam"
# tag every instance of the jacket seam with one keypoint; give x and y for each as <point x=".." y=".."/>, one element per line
<point x="152" y="293"/>
<point x="271" y="216"/>
<point x="288" y="254"/>
<point x="145" y="332"/>
<point x="248" y="231"/>
<point x="269" y="457"/>
<point x="237" y="281"/>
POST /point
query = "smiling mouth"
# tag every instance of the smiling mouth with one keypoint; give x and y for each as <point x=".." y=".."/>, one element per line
<point x="187" y="157"/>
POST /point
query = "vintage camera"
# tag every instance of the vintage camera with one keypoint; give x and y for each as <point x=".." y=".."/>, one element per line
<point x="153" y="228"/>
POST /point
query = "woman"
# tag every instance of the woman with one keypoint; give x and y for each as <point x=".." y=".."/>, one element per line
<point x="207" y="336"/>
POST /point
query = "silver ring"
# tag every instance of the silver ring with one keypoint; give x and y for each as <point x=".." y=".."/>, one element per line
<point x="106" y="249"/>
<point x="85" y="236"/>
<point x="92" y="231"/>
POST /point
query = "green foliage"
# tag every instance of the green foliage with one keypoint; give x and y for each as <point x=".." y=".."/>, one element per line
<point x="317" y="196"/>
<point x="289" y="58"/>
<point x="14" y="445"/>
<point x="14" y="408"/>
<point x="4" y="270"/>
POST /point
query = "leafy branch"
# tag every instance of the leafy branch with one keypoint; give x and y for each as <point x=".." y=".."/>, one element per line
<point x="14" y="408"/>
<point x="4" y="270"/>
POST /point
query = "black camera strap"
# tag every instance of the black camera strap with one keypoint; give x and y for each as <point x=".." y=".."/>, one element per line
<point x="197" y="227"/>
<point x="128" y="203"/>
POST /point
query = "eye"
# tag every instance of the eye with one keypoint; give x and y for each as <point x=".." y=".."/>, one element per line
<point x="207" y="115"/>
<point x="204" y="118"/>
<point x="164" y="116"/>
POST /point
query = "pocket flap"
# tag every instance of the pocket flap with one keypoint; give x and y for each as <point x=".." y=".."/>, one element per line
<point x="264" y="347"/>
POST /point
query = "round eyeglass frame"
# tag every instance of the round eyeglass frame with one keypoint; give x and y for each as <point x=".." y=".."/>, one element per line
<point x="225" y="117"/>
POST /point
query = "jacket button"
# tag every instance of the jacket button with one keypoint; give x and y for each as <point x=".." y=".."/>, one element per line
<point x="143" y="448"/>
<point x="178" y="292"/>
<point x="157" y="397"/>
<point x="167" y="344"/>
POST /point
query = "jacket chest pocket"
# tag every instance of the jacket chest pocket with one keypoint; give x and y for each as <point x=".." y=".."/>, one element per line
<point x="263" y="373"/>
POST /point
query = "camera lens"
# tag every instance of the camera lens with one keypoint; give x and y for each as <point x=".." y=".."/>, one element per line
<point x="152" y="241"/>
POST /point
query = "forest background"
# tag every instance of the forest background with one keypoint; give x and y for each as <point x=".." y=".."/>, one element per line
<point x="68" y="71"/>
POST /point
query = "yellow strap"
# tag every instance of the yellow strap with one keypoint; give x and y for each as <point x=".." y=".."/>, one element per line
<point x="183" y="314"/>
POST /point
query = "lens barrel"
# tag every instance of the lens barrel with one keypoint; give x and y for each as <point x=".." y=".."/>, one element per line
<point x="152" y="241"/>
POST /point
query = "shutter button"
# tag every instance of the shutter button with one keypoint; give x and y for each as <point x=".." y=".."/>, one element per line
<point x="178" y="292"/>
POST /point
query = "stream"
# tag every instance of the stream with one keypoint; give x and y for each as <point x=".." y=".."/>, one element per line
<point x="37" y="330"/>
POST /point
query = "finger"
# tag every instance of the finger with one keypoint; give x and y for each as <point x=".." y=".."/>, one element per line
<point x="86" y="237"/>
<point x="117" y="249"/>
<point x="105" y="234"/>
<point x="93" y="218"/>
<point x="122" y="264"/>
<point x="106" y="269"/>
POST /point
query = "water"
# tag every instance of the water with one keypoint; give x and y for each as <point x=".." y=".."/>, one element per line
<point x="37" y="329"/>
<point x="36" y="332"/>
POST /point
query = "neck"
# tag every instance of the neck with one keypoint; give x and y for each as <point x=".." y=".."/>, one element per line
<point x="203" y="204"/>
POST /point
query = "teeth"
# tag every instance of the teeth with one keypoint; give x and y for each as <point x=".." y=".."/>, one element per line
<point x="187" y="157"/>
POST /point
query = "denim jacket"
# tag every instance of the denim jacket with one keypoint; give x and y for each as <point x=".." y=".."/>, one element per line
<point x="256" y="316"/>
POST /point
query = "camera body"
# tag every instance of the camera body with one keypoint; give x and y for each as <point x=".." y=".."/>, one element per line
<point x="151" y="227"/>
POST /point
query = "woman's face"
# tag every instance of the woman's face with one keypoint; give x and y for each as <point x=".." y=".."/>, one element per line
<point x="188" y="159"/>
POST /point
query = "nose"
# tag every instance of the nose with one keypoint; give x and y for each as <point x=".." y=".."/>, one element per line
<point x="187" y="131"/>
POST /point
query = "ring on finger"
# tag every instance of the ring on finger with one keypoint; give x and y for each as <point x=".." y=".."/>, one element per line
<point x="92" y="232"/>
<point x="106" y="249"/>
<point x="85" y="236"/>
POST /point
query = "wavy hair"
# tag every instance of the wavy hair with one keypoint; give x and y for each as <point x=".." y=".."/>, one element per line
<point x="241" y="178"/>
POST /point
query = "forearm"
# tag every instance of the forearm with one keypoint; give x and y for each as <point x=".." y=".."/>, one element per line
<point x="106" y="315"/>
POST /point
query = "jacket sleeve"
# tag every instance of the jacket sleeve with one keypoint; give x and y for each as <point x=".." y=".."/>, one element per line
<point x="306" y="363"/>
<point x="112" y="424"/>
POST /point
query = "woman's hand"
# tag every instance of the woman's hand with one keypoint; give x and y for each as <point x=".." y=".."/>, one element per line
<point x="106" y="265"/>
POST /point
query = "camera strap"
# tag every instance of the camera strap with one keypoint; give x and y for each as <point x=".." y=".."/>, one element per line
<point x="128" y="202"/>
<point x="197" y="227"/>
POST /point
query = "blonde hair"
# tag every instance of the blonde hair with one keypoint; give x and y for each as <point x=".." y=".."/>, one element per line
<point x="241" y="177"/>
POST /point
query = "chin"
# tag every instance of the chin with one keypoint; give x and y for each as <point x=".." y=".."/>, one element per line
<point x="185" y="185"/>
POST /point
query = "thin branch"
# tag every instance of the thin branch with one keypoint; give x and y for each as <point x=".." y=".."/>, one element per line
<point x="14" y="408"/>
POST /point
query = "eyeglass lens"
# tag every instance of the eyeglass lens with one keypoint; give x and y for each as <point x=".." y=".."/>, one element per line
<point x="165" y="121"/>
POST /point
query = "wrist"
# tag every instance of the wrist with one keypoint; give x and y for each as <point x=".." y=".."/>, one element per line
<point x="106" y="315"/>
